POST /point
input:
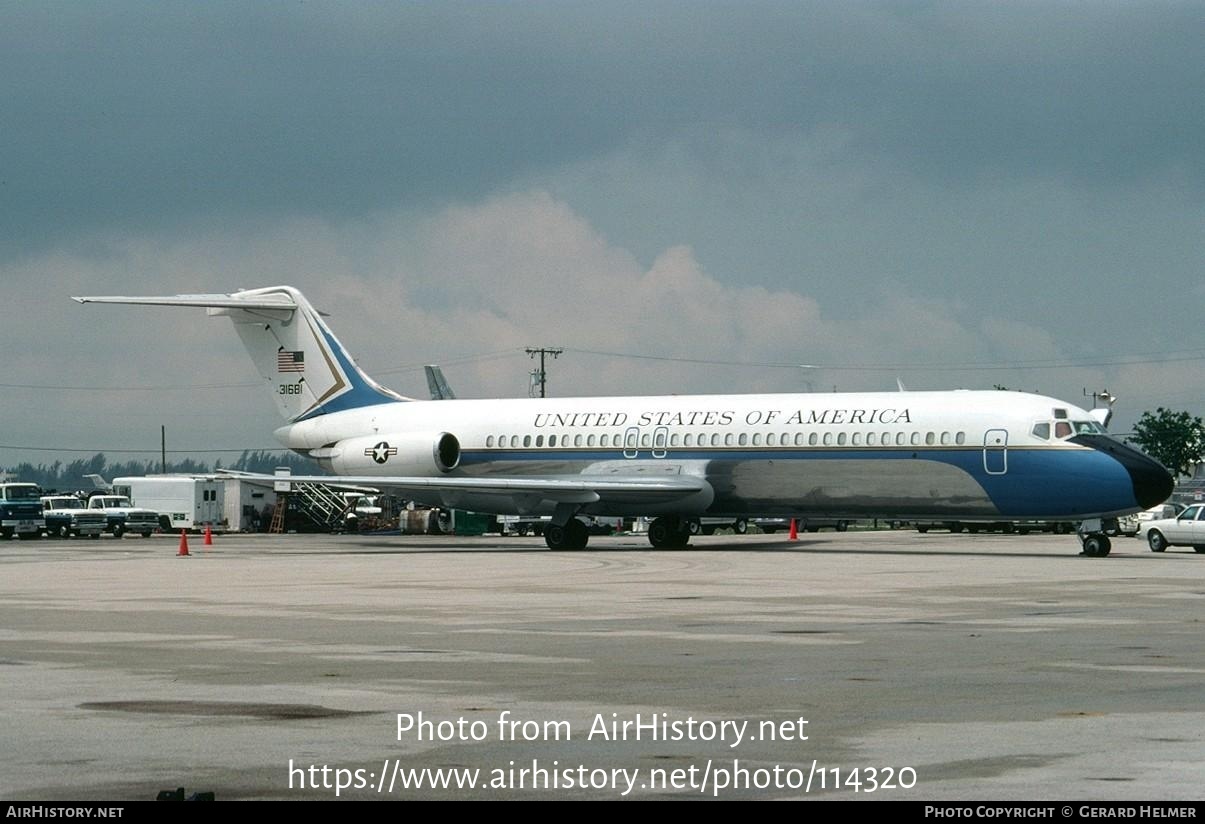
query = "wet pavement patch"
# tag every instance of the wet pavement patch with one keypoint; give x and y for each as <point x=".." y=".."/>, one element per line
<point x="267" y="712"/>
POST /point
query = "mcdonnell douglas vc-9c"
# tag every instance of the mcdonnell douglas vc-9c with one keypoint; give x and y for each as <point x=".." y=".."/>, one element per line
<point x="958" y="455"/>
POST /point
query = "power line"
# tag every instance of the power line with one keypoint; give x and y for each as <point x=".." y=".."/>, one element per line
<point x="141" y="451"/>
<point x="123" y="388"/>
<point x="510" y="353"/>
<point x="908" y="367"/>
<point x="1136" y="359"/>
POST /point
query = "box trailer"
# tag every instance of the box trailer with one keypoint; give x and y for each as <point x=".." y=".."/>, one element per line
<point x="183" y="502"/>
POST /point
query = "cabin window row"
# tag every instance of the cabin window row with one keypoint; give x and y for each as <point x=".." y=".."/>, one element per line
<point x="645" y="440"/>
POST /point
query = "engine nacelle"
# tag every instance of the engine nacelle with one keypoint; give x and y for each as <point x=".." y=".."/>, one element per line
<point x="414" y="453"/>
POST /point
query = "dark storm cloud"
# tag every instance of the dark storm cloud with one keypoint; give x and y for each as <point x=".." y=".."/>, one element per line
<point x="141" y="115"/>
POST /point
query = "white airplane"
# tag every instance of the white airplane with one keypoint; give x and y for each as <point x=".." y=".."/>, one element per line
<point x="958" y="455"/>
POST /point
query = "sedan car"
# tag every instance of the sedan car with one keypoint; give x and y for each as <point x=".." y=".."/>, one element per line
<point x="1186" y="529"/>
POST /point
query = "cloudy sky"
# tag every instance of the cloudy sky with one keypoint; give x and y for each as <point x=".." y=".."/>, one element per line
<point x="952" y="194"/>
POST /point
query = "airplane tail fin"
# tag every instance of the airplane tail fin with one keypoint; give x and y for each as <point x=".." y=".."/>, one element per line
<point x="301" y="362"/>
<point x="99" y="482"/>
<point x="438" y="384"/>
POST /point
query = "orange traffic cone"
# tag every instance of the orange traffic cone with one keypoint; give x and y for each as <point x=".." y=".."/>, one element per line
<point x="794" y="536"/>
<point x="208" y="536"/>
<point x="183" y="551"/>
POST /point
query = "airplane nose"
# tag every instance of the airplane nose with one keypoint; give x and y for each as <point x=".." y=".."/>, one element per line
<point x="1152" y="482"/>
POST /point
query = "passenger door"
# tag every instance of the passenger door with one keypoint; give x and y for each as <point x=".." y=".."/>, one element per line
<point x="995" y="452"/>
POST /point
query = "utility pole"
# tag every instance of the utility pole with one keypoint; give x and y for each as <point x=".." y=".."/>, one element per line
<point x="542" y="351"/>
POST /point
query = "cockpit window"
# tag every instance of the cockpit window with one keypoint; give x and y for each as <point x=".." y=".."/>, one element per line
<point x="1089" y="428"/>
<point x="1060" y="414"/>
<point x="1062" y="429"/>
<point x="1041" y="431"/>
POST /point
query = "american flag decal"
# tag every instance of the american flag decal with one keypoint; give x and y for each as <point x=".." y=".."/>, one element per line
<point x="290" y="361"/>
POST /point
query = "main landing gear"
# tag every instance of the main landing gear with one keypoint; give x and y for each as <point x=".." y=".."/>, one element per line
<point x="666" y="532"/>
<point x="669" y="532"/>
<point x="572" y="535"/>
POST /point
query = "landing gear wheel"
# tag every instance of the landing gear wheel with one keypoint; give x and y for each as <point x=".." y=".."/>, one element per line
<point x="555" y="536"/>
<point x="572" y="535"/>
<point x="668" y="533"/>
<point x="579" y="535"/>
<point x="1156" y="540"/>
<point x="1097" y="546"/>
<point x="661" y="532"/>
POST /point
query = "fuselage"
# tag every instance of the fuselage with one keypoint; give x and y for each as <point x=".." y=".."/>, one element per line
<point x="960" y="454"/>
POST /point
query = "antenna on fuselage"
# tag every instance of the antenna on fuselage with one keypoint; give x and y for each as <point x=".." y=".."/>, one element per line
<point x="1101" y="416"/>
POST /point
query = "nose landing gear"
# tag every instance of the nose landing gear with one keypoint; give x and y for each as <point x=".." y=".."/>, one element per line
<point x="1094" y="536"/>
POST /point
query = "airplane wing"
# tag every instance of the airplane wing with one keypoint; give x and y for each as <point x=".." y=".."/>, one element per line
<point x="525" y="493"/>
<point x="334" y="481"/>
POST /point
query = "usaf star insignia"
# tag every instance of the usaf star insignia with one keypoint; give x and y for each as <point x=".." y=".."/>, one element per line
<point x="381" y="452"/>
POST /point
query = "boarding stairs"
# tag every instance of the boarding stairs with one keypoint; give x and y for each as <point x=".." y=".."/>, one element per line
<point x="317" y="503"/>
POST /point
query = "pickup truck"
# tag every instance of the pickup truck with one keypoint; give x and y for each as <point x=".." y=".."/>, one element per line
<point x="121" y="516"/>
<point x="66" y="515"/>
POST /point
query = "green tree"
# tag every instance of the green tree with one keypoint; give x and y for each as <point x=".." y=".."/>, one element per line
<point x="1175" y="439"/>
